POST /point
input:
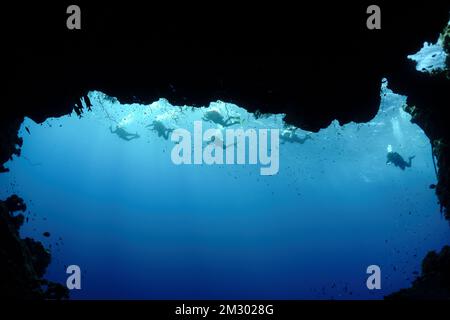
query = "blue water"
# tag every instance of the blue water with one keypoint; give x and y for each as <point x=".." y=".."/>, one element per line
<point x="141" y="227"/>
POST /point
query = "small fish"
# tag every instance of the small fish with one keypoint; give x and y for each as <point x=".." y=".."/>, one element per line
<point x="28" y="130"/>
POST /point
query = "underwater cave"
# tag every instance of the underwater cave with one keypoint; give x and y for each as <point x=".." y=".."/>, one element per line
<point x="92" y="125"/>
<point x="141" y="227"/>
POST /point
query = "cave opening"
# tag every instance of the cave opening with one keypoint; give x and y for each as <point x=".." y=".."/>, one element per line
<point x="140" y="226"/>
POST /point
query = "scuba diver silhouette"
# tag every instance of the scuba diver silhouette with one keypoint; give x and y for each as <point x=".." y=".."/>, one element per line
<point x="160" y="128"/>
<point x="289" y="135"/>
<point x="398" y="161"/>
<point x="215" y="117"/>
<point x="123" y="134"/>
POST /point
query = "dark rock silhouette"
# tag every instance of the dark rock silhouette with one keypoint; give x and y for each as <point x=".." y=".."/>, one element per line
<point x="23" y="262"/>
<point x="434" y="281"/>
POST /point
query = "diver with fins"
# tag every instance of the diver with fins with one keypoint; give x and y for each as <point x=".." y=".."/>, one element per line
<point x="217" y="118"/>
<point x="123" y="134"/>
<point x="398" y="161"/>
<point x="160" y="128"/>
